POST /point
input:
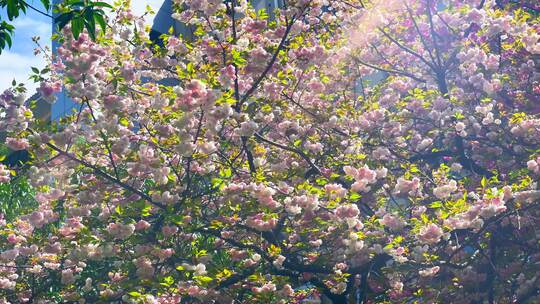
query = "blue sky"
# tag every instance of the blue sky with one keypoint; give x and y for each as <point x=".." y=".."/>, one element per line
<point x="15" y="63"/>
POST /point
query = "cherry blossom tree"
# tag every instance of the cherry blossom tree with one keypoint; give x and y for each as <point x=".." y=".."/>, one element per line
<point x="257" y="160"/>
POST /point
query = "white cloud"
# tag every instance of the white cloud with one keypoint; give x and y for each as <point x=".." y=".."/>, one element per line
<point x="17" y="66"/>
<point x="139" y="7"/>
<point x="16" y="63"/>
<point x="27" y="27"/>
<point x="38" y="28"/>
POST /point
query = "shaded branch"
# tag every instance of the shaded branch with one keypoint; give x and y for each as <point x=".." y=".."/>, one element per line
<point x="299" y="152"/>
<point x="102" y="173"/>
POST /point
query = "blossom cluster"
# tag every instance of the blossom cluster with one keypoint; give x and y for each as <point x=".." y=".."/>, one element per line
<point x="334" y="149"/>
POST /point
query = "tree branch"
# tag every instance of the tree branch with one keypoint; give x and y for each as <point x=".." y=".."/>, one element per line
<point x="299" y="152"/>
<point x="102" y="173"/>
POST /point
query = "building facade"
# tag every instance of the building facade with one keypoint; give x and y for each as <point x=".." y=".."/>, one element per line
<point x="163" y="20"/>
<point x="63" y="105"/>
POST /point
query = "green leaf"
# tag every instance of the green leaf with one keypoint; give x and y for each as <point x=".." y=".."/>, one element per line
<point x="63" y="19"/>
<point x="46" y="4"/>
<point x="101" y="21"/>
<point x="76" y="4"/>
<point x="77" y="26"/>
<point x="8" y="40"/>
<point x="168" y="281"/>
<point x="203" y="279"/>
<point x="262" y="14"/>
<point x="13" y="7"/>
<point x="146" y="210"/>
<point x="102" y="4"/>
<point x="22" y="7"/>
<point x="355" y="196"/>
<point x="124" y="121"/>
<point x="90" y="23"/>
<point x="436" y="205"/>
<point x="238" y="59"/>
<point x="135" y="294"/>
<point x="119" y="210"/>
<point x="227" y="172"/>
